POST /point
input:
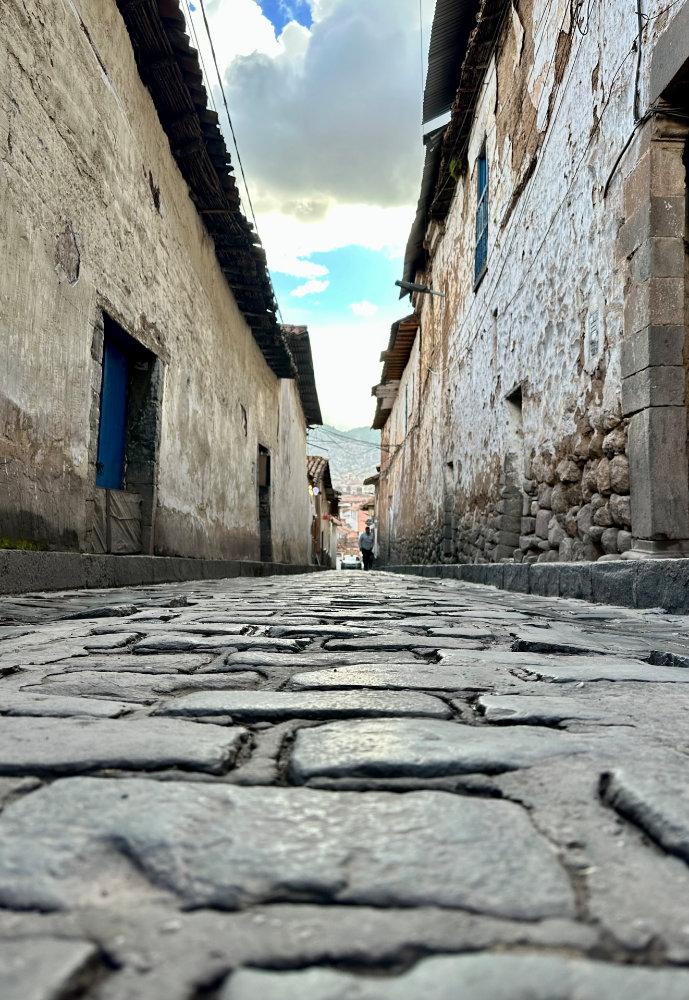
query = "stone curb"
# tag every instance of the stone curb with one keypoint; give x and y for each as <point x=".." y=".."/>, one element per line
<point x="655" y="583"/>
<point x="22" y="572"/>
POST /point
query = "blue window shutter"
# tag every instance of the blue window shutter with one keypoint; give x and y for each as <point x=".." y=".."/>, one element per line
<point x="481" y="215"/>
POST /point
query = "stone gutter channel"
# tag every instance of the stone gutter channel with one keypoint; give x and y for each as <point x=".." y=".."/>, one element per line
<point x="341" y="786"/>
<point x="652" y="583"/>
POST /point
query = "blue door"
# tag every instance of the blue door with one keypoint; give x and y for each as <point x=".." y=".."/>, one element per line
<point x="113" y="418"/>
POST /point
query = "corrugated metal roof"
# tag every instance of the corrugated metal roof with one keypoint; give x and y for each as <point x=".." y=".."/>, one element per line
<point x="453" y="22"/>
<point x="169" y="68"/>
<point x="462" y="41"/>
<point x="476" y="60"/>
<point x="297" y="338"/>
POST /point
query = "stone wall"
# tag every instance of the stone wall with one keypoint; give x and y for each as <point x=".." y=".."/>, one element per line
<point x="546" y="390"/>
<point x="96" y="221"/>
<point x="574" y="509"/>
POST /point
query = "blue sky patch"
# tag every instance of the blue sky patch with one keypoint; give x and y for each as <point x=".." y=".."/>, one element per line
<point x="281" y="12"/>
<point x="354" y="274"/>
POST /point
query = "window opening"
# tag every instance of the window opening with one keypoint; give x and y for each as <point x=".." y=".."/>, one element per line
<point x="481" y="215"/>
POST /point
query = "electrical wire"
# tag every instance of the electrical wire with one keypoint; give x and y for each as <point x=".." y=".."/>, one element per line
<point x="192" y="26"/>
<point x="234" y="140"/>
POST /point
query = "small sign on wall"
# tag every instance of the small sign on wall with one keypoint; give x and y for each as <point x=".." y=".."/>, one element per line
<point x="593" y="341"/>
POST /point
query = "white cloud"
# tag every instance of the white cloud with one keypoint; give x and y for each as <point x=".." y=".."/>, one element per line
<point x="310" y="288"/>
<point x="363" y="308"/>
<point x="345" y="391"/>
<point x="289" y="241"/>
<point x="326" y="113"/>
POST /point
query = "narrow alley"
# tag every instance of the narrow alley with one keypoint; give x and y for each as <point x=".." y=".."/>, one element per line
<point x="336" y="786"/>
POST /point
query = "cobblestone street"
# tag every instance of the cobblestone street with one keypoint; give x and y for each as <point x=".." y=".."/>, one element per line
<point x="342" y="785"/>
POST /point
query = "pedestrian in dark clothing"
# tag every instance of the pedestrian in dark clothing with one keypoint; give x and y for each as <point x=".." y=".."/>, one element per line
<point x="366" y="546"/>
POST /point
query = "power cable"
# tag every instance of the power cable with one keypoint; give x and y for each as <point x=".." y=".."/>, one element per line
<point x="234" y="140"/>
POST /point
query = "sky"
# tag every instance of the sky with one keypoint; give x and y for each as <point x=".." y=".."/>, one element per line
<point x="325" y="98"/>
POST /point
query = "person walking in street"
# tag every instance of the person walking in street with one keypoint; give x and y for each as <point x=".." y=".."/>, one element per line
<point x="366" y="546"/>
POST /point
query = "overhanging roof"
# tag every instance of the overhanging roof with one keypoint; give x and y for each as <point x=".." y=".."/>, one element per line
<point x="452" y="24"/>
<point x="395" y="358"/>
<point x="318" y="470"/>
<point x="169" y="67"/>
<point x="415" y="254"/>
<point x="298" y="341"/>
<point x="462" y="41"/>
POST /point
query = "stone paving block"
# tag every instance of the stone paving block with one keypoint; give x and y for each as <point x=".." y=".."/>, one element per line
<point x="413" y="676"/>
<point x="393" y="643"/>
<point x="559" y="667"/>
<point x="656" y="799"/>
<point x="157" y="663"/>
<point x="162" y="955"/>
<point x="549" y="710"/>
<point x="306" y="704"/>
<point x="469" y="977"/>
<point x="564" y="669"/>
<point x="44" y="968"/>
<point x="26" y="703"/>
<point x="493" y="575"/>
<point x="68" y="746"/>
<point x="216" y="845"/>
<point x="423" y="748"/>
<point x="305" y="659"/>
<point x="563" y="638"/>
<point x="137" y="688"/>
<point x="114" y="640"/>
<point x="184" y="643"/>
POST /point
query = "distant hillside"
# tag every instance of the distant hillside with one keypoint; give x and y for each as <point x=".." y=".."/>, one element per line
<point x="353" y="454"/>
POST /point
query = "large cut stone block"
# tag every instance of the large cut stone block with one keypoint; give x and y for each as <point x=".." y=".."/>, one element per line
<point x="669" y="56"/>
<point x="655" y="799"/>
<point x="658" y="257"/>
<point x="423" y="748"/>
<point x="661" y="386"/>
<point x="650" y="347"/>
<point x="306" y="704"/>
<point x="488" y="976"/>
<point x="229" y="847"/>
<point x="67" y="746"/>
<point x="658" y="473"/>
<point x="43" y="968"/>
<point x="658" y="301"/>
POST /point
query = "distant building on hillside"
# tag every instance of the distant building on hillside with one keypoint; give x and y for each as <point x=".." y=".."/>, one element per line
<point x="324" y="512"/>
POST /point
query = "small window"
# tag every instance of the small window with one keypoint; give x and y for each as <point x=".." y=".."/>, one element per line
<point x="481" y="216"/>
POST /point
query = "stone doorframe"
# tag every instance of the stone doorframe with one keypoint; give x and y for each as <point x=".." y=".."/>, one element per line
<point x="652" y="244"/>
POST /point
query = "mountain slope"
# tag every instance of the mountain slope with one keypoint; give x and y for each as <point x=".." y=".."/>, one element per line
<point x="353" y="454"/>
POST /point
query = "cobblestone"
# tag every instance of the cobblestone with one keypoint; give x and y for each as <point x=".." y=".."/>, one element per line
<point x="288" y="787"/>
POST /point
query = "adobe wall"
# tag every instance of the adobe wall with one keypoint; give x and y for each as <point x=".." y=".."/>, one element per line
<point x="95" y="217"/>
<point x="528" y="364"/>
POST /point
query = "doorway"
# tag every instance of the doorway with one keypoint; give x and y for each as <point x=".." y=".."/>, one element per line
<point x="264" y="526"/>
<point x="128" y="439"/>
